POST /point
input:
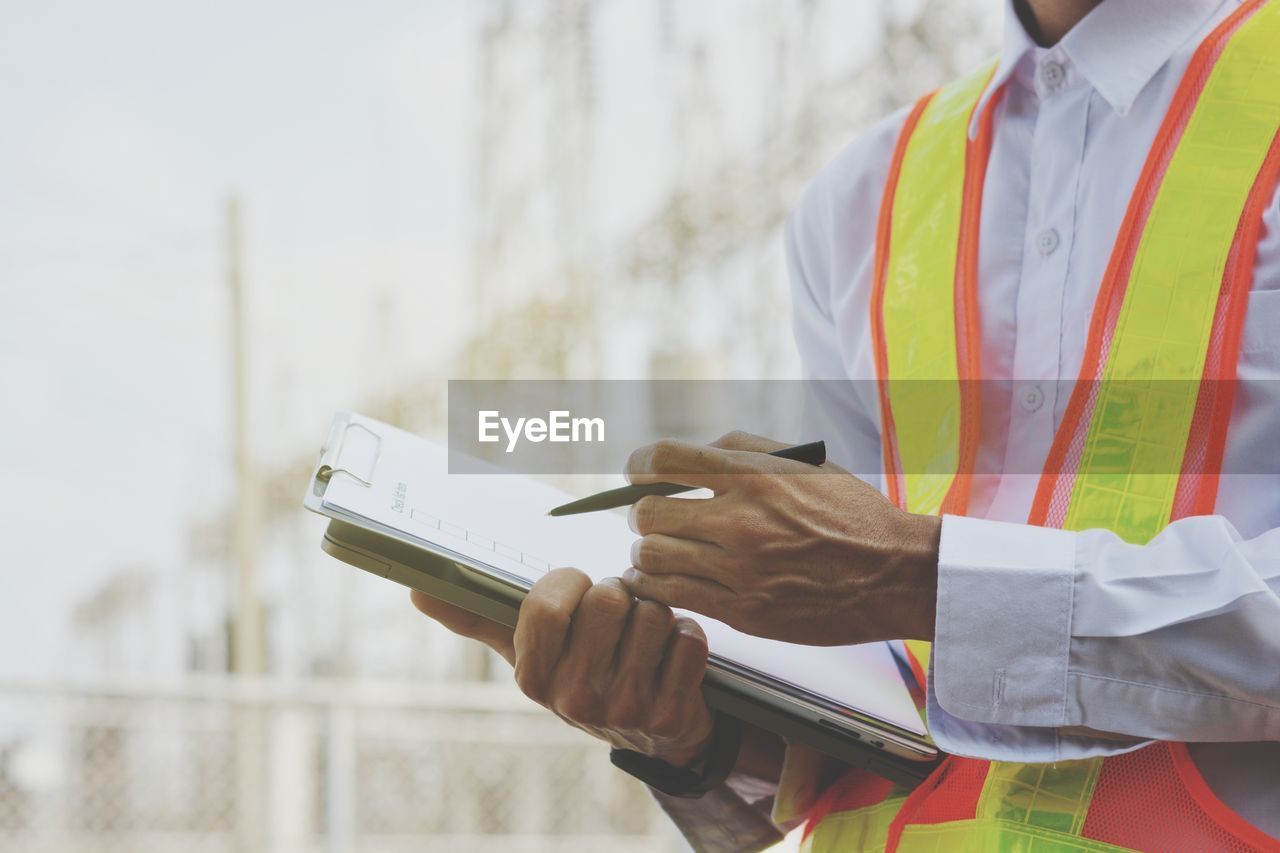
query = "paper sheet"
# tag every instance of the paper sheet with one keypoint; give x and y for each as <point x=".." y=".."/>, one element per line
<point x="500" y="520"/>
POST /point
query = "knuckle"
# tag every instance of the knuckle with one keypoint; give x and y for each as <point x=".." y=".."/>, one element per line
<point x="645" y="513"/>
<point x="733" y="438"/>
<point x="578" y="707"/>
<point x="646" y="553"/>
<point x="608" y="597"/>
<point x="735" y="466"/>
<point x="556" y="574"/>
<point x="751" y="606"/>
<point x="654" y="613"/>
<point x="749" y="612"/>
<point x="663" y="454"/>
<point x="667" y="721"/>
<point x="646" y="588"/>
<point x="623" y="714"/>
<point x="530" y="683"/>
<point x="691" y="636"/>
<point x="543" y="613"/>
<point x="653" y="617"/>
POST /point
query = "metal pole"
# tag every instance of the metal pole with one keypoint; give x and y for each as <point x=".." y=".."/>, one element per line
<point x="246" y="616"/>
<point x="247" y="657"/>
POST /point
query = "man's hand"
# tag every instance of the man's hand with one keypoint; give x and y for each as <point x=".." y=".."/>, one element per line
<point x="625" y="671"/>
<point x="783" y="550"/>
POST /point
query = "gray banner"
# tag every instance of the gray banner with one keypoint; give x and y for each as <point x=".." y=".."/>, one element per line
<point x="592" y="427"/>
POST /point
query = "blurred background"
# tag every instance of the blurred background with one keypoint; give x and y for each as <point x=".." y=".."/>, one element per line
<point x="223" y="221"/>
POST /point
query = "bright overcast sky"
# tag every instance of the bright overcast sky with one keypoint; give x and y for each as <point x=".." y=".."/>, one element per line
<point x="344" y="128"/>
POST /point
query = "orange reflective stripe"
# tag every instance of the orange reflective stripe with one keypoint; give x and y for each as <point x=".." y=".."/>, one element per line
<point x="1128" y="471"/>
<point x="926" y="423"/>
<point x="1154" y="798"/>
<point x="918" y="656"/>
<point x="964" y="316"/>
<point x="963" y="777"/>
<point x="1202" y="460"/>
<point x="854" y="790"/>
<point x="894" y="487"/>
<point x="1059" y="482"/>
<point x="1225" y="816"/>
<point x="864" y="830"/>
<point x="1190" y="232"/>
<point x="968" y="332"/>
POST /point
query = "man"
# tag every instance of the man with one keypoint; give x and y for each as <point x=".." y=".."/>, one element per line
<point x="1098" y="206"/>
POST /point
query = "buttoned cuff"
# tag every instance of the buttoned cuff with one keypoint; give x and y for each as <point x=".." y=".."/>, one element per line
<point x="1003" y="622"/>
<point x="1025" y="744"/>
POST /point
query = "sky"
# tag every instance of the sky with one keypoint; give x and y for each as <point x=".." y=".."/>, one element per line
<point x="127" y="126"/>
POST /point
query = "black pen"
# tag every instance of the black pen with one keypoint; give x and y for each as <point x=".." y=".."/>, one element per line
<point x="814" y="453"/>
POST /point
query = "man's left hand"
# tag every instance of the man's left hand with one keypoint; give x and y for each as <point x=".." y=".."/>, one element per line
<point x="783" y="550"/>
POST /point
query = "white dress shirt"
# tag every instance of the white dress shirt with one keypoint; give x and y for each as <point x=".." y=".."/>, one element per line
<point x="1038" y="629"/>
<point x="1043" y="630"/>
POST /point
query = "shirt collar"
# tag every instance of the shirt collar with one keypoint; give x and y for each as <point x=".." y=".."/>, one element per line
<point x="1117" y="48"/>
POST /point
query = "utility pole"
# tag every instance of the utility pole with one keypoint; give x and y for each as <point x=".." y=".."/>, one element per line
<point x="247" y="655"/>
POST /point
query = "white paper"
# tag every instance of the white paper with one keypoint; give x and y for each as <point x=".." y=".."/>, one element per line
<point x="501" y="521"/>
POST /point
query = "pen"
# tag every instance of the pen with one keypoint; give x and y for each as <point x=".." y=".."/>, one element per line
<point x="814" y="453"/>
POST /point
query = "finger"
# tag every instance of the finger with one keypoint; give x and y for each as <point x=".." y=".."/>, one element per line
<point x="670" y="461"/>
<point x="739" y="440"/>
<point x="684" y="517"/>
<point x="461" y="621"/>
<point x="680" y="591"/>
<point x="542" y="628"/>
<point x="685" y="663"/>
<point x="593" y="638"/>
<point x="659" y="554"/>
<point x="644" y="643"/>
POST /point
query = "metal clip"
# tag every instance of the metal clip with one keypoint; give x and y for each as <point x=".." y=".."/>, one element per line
<point x="325" y="472"/>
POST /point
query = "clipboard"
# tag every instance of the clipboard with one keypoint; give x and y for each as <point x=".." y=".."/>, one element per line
<point x="480" y="541"/>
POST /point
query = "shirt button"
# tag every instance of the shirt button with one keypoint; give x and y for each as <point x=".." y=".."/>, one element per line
<point x="1047" y="241"/>
<point x="1031" y="398"/>
<point x="1052" y="74"/>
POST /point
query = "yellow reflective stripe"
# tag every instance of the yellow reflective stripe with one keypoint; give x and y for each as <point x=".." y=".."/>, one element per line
<point x="864" y="830"/>
<point x="1048" y="796"/>
<point x="921" y="651"/>
<point x="993" y="836"/>
<point x="1162" y="333"/>
<point x="1135" y="442"/>
<point x="919" y="301"/>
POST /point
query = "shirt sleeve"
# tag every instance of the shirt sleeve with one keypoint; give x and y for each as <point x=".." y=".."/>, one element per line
<point x="732" y="817"/>
<point x="747" y="813"/>
<point x="1040" y="630"/>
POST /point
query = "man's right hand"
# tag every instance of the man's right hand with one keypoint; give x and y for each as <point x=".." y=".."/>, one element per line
<point x="628" y="672"/>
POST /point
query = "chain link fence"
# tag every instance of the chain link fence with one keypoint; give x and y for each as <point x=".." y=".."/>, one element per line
<point x="226" y="765"/>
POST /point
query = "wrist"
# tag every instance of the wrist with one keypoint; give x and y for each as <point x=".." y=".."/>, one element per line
<point x="688" y="755"/>
<point x="918" y="571"/>
<point x="708" y="773"/>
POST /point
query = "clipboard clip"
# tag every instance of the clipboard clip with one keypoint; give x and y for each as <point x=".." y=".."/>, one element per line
<point x="364" y="458"/>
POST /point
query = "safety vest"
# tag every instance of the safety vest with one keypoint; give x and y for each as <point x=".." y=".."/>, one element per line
<point x="1139" y="445"/>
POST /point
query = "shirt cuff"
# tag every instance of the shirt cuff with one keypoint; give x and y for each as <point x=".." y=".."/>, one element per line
<point x="1025" y="744"/>
<point x="1003" y="622"/>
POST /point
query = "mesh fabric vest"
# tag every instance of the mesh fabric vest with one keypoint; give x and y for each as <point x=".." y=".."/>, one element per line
<point x="1138" y="447"/>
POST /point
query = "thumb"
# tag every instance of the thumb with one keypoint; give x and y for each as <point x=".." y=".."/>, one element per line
<point x="739" y="440"/>
<point x="467" y="624"/>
